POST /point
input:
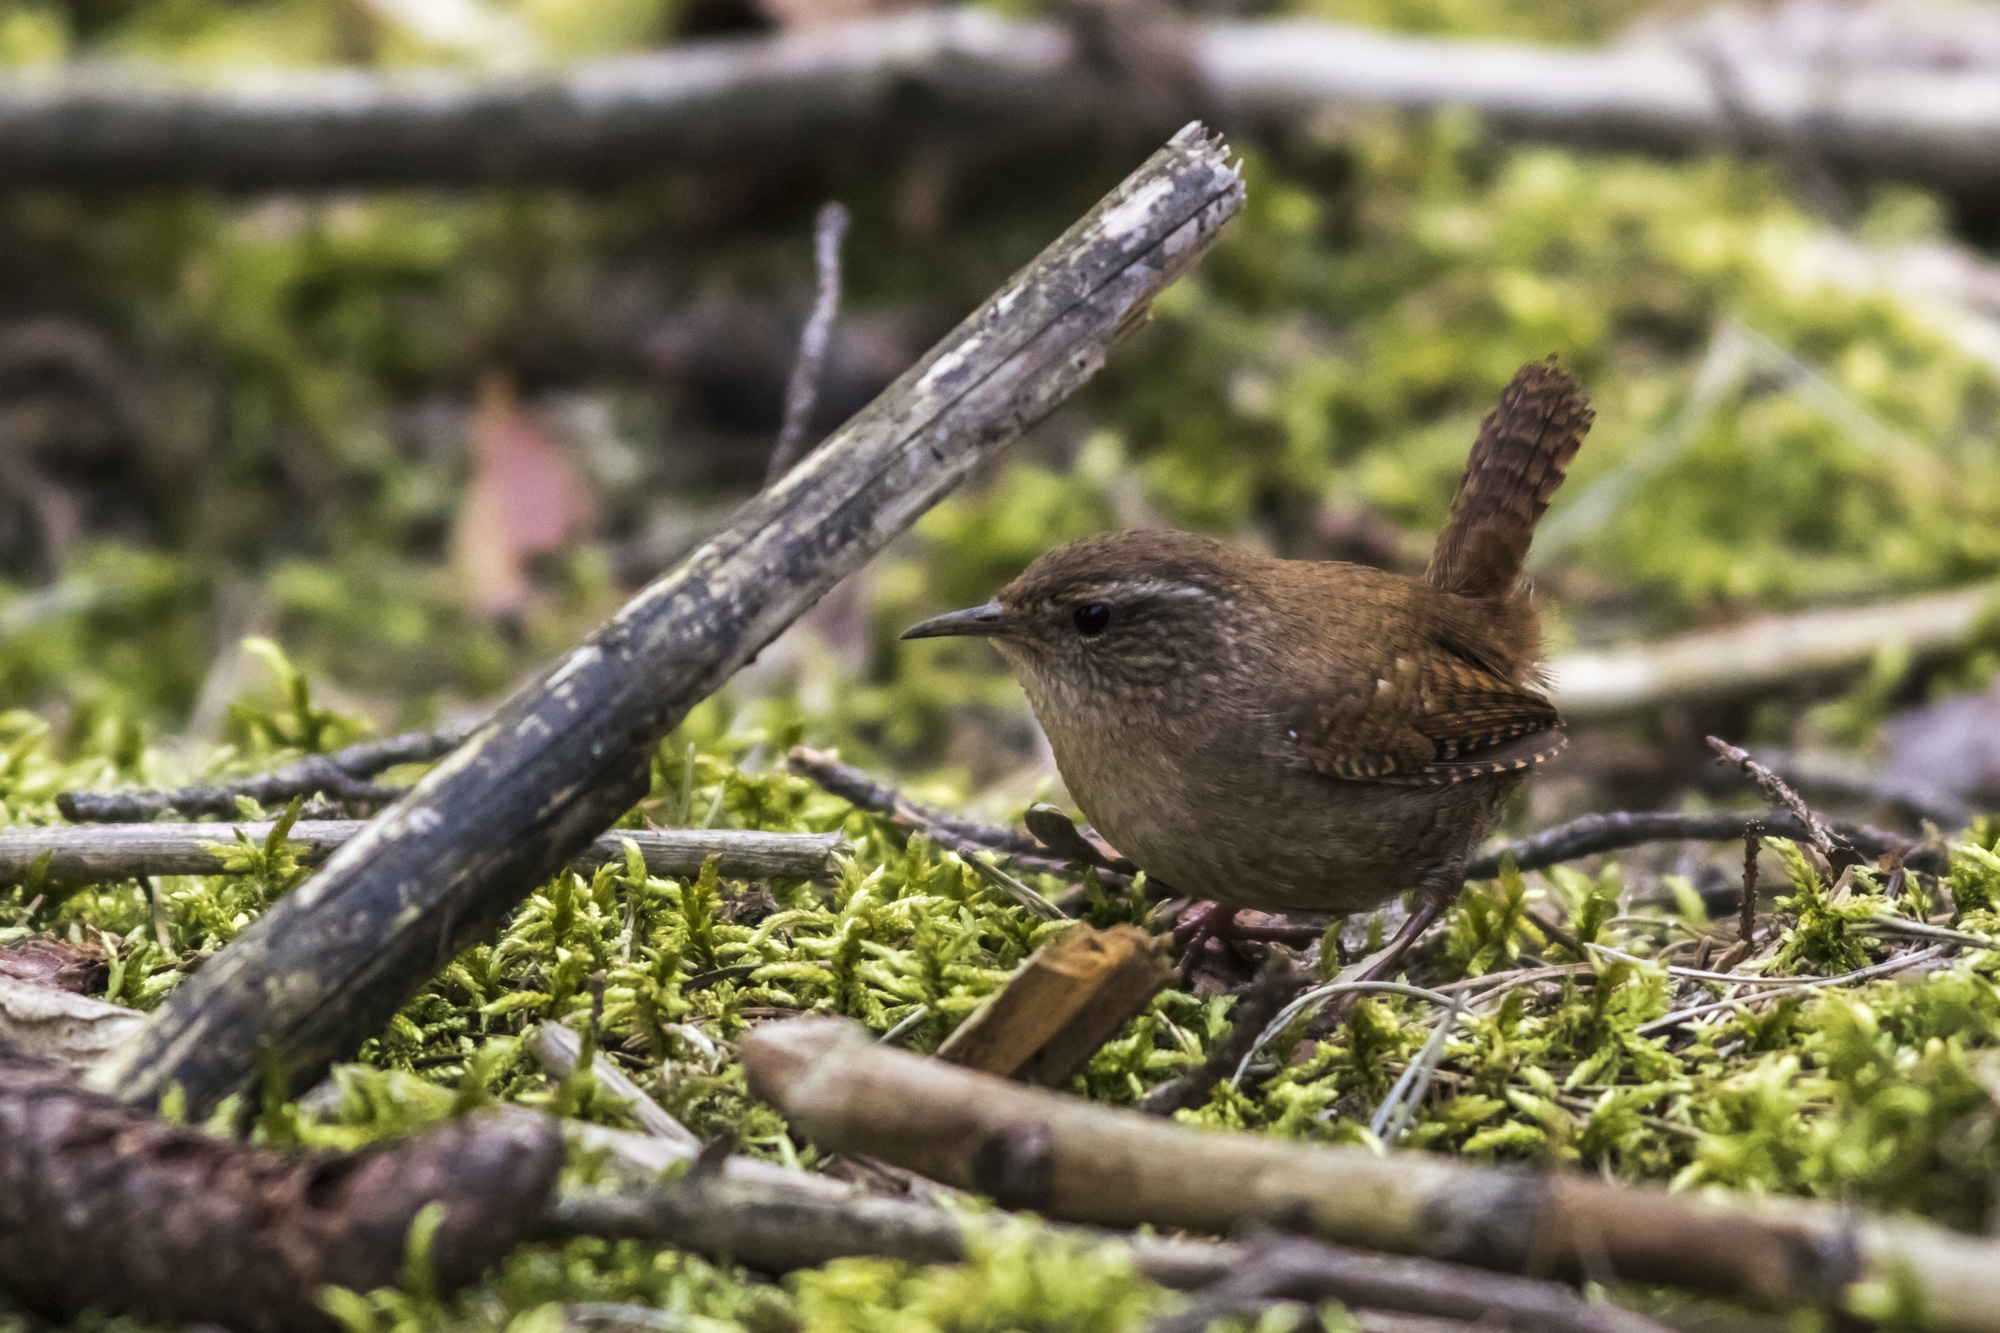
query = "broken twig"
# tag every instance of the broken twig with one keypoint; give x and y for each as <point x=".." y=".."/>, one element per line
<point x="1065" y="1001"/>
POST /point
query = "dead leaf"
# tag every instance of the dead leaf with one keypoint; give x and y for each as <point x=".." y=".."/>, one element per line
<point x="42" y="961"/>
<point x="526" y="499"/>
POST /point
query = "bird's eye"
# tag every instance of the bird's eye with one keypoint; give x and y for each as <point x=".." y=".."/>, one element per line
<point x="1092" y="618"/>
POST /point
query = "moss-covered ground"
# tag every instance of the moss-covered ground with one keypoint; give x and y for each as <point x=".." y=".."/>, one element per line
<point x="1776" y="428"/>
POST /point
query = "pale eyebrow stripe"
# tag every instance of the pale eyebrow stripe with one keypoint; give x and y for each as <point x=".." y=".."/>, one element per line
<point x="1154" y="588"/>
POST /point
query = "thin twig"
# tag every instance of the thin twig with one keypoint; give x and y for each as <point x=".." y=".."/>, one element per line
<point x="1392" y="1117"/>
<point x="1803" y="986"/>
<point x="342" y="775"/>
<point x="558" y="1049"/>
<point x="1746" y="910"/>
<point x="1593" y="834"/>
<point x="802" y="390"/>
<point x="1021" y="893"/>
<point x="858" y="788"/>
<point x="1779" y="792"/>
<point x="1923" y="930"/>
<point x="1293" y="1268"/>
<point x="1319" y="995"/>
<point x="1700" y="974"/>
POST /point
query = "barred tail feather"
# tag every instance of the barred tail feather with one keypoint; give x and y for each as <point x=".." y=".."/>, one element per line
<point x="1524" y="446"/>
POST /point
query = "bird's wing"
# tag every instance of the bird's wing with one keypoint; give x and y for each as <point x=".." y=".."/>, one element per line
<point x="1426" y="717"/>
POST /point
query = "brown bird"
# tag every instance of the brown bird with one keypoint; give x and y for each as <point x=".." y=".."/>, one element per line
<point x="1294" y="735"/>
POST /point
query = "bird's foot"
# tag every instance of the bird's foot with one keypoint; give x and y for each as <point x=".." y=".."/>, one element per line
<point x="1219" y="921"/>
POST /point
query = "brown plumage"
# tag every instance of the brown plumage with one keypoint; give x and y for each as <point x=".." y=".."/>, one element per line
<point x="1301" y="735"/>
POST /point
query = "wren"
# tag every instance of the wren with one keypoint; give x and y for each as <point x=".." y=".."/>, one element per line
<point x="1297" y="735"/>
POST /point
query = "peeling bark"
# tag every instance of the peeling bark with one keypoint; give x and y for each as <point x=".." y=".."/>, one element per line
<point x="103" y="1207"/>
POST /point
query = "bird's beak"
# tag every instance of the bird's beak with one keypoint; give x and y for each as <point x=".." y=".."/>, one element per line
<point x="978" y="622"/>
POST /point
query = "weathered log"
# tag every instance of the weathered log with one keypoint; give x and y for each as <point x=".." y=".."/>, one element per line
<point x="103" y="1207"/>
<point x="329" y="964"/>
<point x="954" y="75"/>
<point x="95" y="853"/>
<point x="1077" y="1161"/>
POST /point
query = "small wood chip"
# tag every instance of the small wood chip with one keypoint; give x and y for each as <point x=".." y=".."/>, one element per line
<point x="1067" y="1000"/>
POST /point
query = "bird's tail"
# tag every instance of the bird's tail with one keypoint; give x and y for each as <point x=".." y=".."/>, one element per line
<point x="1524" y="446"/>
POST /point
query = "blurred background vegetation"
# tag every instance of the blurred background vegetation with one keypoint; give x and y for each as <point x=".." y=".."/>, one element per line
<point x="426" y="439"/>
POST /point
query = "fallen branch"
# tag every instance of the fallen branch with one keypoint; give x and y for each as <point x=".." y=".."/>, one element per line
<point x="1771" y="652"/>
<point x="329" y="964"/>
<point x="1592" y="834"/>
<point x="777" y="1226"/>
<point x="97" y="853"/>
<point x="342" y="775"/>
<point x="1072" y="1160"/>
<point x="967" y="78"/>
<point x="103" y="1207"/>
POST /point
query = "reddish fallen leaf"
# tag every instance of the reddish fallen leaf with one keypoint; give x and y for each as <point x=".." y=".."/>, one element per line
<point x="525" y="500"/>
<point x="43" y="961"/>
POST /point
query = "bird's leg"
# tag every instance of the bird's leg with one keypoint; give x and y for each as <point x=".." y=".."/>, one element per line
<point x="1430" y="904"/>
